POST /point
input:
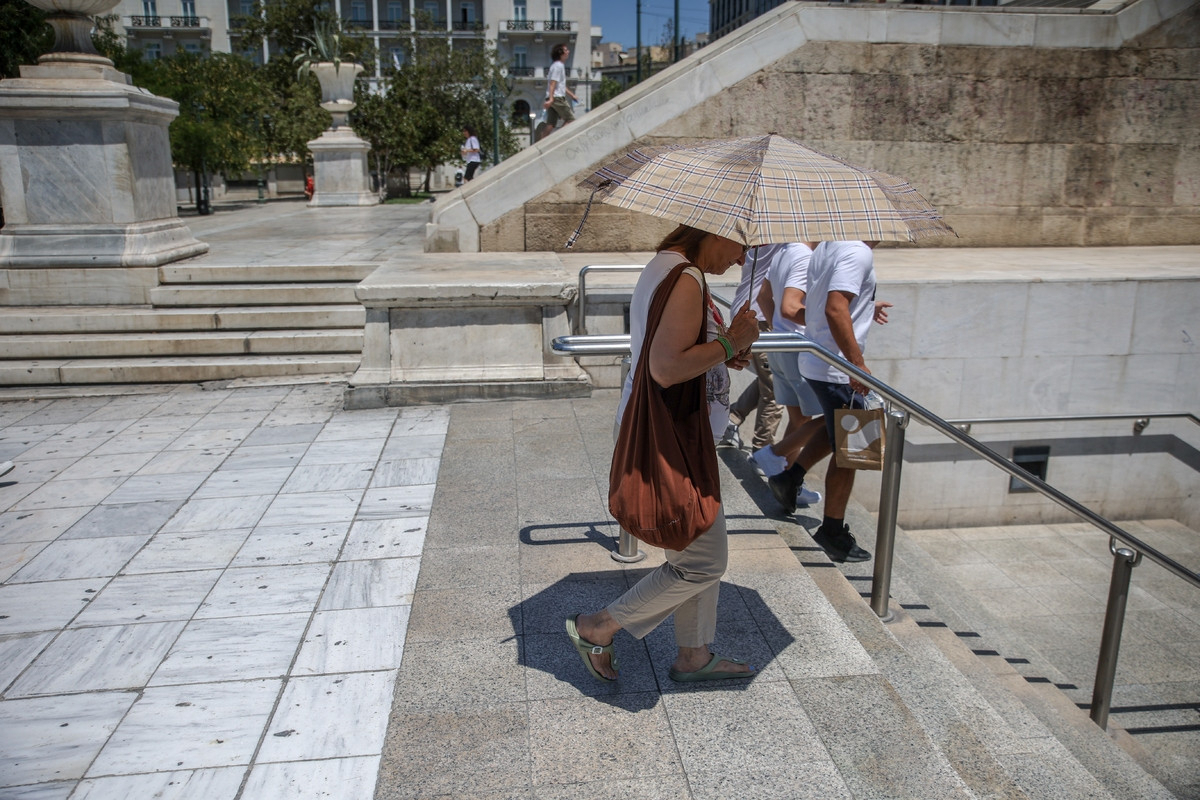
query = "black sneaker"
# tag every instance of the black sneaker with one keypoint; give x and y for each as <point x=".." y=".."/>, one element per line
<point x="783" y="486"/>
<point x="840" y="546"/>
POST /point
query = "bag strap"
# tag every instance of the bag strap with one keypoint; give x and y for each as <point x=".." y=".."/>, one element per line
<point x="659" y="304"/>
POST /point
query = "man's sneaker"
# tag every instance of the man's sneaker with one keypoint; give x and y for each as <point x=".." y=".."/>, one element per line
<point x="771" y="463"/>
<point x="840" y="545"/>
<point x="807" y="497"/>
<point x="784" y="488"/>
<point x="731" y="438"/>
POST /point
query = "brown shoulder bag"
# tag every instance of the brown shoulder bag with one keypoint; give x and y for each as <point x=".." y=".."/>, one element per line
<point x="664" y="486"/>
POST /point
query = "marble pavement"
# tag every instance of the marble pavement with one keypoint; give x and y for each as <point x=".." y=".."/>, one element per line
<point x="194" y="589"/>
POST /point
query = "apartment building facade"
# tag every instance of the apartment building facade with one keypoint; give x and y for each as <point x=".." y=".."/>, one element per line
<point x="523" y="31"/>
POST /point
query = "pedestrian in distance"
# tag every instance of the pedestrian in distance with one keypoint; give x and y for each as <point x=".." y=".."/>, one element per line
<point x="470" y="152"/>
<point x="688" y="583"/>
<point x="557" y="106"/>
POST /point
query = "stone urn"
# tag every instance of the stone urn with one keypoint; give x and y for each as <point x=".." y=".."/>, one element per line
<point x="337" y="88"/>
<point x="72" y="23"/>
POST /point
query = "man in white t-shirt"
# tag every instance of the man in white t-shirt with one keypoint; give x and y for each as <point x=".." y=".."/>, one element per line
<point x="556" y="105"/>
<point x="784" y="292"/>
<point x="840" y="308"/>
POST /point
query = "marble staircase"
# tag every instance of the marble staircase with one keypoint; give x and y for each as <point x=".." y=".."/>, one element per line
<point x="205" y="322"/>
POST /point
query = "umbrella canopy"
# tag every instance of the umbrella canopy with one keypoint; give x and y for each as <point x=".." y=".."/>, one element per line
<point x="766" y="190"/>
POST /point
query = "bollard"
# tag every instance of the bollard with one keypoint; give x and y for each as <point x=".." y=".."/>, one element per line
<point x="627" y="549"/>
<point x="889" y="503"/>
<point x="1124" y="560"/>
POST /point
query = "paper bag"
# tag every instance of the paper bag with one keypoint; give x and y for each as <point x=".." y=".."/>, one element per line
<point x="860" y="437"/>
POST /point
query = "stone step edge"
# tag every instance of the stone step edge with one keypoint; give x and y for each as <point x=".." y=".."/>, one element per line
<point x="1112" y="756"/>
<point x="1013" y="707"/>
<point x="194" y="369"/>
<point x="32" y="347"/>
<point x="263" y="273"/>
<point x="50" y="320"/>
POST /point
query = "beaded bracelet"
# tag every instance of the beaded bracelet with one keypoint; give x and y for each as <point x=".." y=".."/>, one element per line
<point x="728" y="347"/>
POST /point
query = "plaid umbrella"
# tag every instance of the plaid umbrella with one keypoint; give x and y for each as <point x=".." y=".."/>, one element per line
<point x="765" y="190"/>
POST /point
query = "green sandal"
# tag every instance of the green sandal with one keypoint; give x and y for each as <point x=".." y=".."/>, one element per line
<point x="709" y="672"/>
<point x="586" y="649"/>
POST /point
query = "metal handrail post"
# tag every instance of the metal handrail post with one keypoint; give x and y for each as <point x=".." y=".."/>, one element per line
<point x="1124" y="560"/>
<point x="627" y="549"/>
<point x="889" y="503"/>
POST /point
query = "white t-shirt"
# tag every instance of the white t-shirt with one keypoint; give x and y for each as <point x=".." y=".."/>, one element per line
<point x="472" y="143"/>
<point x="558" y="74"/>
<point x="838" y="267"/>
<point x="757" y="270"/>
<point x="716" y="379"/>
<point x="788" y="270"/>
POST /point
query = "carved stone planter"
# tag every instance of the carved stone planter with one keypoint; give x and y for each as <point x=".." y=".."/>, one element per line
<point x="340" y="173"/>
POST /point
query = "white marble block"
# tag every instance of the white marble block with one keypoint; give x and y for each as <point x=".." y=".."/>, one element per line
<point x="340" y="170"/>
<point x="439" y="330"/>
<point x="85" y="172"/>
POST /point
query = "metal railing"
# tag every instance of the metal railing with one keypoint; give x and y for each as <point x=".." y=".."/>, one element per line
<point x="1140" y="421"/>
<point x="900" y="409"/>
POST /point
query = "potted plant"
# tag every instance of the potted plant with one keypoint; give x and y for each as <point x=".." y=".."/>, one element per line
<point x="335" y="70"/>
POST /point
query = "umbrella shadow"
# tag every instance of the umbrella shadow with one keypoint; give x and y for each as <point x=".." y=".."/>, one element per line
<point x="746" y="628"/>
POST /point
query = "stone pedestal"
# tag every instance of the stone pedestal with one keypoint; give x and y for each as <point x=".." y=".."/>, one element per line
<point x="439" y="331"/>
<point x="341" y="177"/>
<point x="85" y="175"/>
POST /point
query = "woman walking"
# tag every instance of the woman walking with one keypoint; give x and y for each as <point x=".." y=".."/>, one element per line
<point x="687" y="585"/>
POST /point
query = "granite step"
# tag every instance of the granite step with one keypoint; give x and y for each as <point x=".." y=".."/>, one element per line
<point x="28" y="320"/>
<point x="191" y="343"/>
<point x="253" y="294"/>
<point x="180" y="369"/>
<point x="975" y="714"/>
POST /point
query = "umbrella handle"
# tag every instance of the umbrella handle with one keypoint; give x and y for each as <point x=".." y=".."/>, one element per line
<point x="579" y="228"/>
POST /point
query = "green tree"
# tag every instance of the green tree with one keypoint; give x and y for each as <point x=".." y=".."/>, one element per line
<point x="24" y="35"/>
<point x="607" y="90"/>
<point x="222" y="108"/>
<point x="417" y="121"/>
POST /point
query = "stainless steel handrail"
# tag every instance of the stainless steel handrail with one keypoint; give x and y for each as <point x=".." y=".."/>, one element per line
<point x="779" y="342"/>
<point x="1125" y="558"/>
<point x="581" y="297"/>
<point x="1140" y="421"/>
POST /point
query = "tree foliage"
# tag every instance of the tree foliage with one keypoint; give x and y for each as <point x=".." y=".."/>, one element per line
<point x="607" y="90"/>
<point x="24" y="35"/>
<point x="221" y="110"/>
<point x="418" y="118"/>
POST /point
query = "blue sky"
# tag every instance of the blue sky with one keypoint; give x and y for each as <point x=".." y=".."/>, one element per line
<point x="617" y="17"/>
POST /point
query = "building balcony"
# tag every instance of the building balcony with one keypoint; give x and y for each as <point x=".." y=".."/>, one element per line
<point x="431" y="25"/>
<point x="395" y="25"/>
<point x="519" y="26"/>
<point x="468" y="27"/>
<point x="149" y="22"/>
<point x="358" y="24"/>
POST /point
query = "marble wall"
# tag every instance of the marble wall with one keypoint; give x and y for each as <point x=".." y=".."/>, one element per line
<point x="1024" y="129"/>
<point x="1022" y="348"/>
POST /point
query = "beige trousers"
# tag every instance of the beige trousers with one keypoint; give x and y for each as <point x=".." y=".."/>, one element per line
<point x="687" y="586"/>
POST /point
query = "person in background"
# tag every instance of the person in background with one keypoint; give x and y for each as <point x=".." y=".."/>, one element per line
<point x="840" y="307"/>
<point x="470" y="152"/>
<point x="687" y="584"/>
<point x="556" y="105"/>
<point x="782" y="295"/>
<point x="759" y="395"/>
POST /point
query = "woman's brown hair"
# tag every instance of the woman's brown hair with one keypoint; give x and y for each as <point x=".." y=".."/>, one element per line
<point x="684" y="239"/>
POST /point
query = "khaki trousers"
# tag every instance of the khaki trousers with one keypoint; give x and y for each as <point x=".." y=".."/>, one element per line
<point x="687" y="586"/>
